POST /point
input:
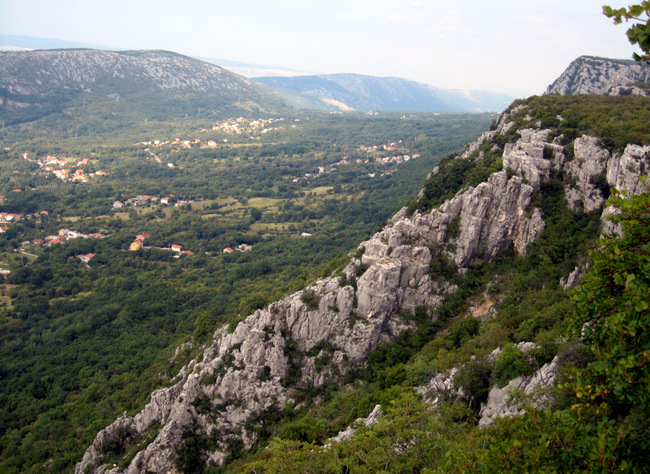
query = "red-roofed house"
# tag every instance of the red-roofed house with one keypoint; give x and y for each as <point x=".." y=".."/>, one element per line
<point x="86" y="258"/>
<point x="176" y="248"/>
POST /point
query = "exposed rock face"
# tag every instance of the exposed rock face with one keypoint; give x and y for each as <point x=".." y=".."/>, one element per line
<point x="313" y="336"/>
<point x="574" y="277"/>
<point x="347" y="434"/>
<point x="503" y="401"/>
<point x="601" y="76"/>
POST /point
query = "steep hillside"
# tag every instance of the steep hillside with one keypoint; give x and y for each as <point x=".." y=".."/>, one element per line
<point x="150" y="84"/>
<point x="602" y="76"/>
<point x="359" y="92"/>
<point x="459" y="296"/>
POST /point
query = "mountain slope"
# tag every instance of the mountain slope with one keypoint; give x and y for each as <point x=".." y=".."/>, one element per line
<point x="359" y="92"/>
<point x="145" y="83"/>
<point x="519" y="187"/>
<point x="602" y="76"/>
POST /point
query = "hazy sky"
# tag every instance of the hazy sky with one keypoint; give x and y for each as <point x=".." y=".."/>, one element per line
<point x="512" y="46"/>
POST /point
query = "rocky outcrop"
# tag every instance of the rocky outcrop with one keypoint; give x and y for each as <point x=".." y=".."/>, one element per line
<point x="311" y="338"/>
<point x="602" y="76"/>
<point x="507" y="401"/>
<point x="348" y="433"/>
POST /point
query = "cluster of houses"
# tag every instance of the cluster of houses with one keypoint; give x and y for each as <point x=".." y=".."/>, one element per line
<point x="386" y="159"/>
<point x="173" y="143"/>
<point x="233" y="126"/>
<point x="240" y="248"/>
<point x="138" y="244"/>
<point x="8" y="217"/>
<point x="346" y="161"/>
<point x="63" y="236"/>
<point x="142" y="200"/>
<point x="59" y="168"/>
<point x="242" y="125"/>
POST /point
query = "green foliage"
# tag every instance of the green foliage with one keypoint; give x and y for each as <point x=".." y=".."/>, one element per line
<point x="81" y="344"/>
<point x="307" y="430"/>
<point x="510" y="364"/>
<point x="311" y="299"/>
<point x="638" y="33"/>
<point x="474" y="379"/>
<point x="613" y="317"/>
<point x="617" y="121"/>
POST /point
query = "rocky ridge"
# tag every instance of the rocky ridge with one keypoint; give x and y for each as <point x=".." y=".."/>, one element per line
<point x="149" y="83"/>
<point x="82" y="68"/>
<point x="311" y="338"/>
<point x="602" y="76"/>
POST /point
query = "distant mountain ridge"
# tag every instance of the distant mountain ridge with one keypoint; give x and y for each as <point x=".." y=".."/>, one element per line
<point x="602" y="76"/>
<point x="365" y="93"/>
<point x="149" y="83"/>
<point x="325" y="91"/>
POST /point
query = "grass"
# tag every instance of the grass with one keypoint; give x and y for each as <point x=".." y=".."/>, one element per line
<point x="263" y="203"/>
<point x="278" y="227"/>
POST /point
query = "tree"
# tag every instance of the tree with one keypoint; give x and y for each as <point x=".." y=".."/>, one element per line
<point x="638" y="33"/>
<point x="614" y="321"/>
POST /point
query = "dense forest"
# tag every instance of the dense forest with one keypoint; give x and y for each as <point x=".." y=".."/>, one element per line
<point x="90" y="327"/>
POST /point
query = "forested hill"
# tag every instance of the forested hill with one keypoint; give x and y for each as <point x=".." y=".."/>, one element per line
<point x="150" y="84"/>
<point x="361" y="92"/>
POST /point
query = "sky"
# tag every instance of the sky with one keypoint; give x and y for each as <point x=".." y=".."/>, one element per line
<point x="516" y="47"/>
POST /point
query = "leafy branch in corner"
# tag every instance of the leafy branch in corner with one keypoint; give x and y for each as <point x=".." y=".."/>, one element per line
<point x="638" y="33"/>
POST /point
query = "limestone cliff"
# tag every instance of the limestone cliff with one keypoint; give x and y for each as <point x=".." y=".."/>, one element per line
<point x="602" y="76"/>
<point x="314" y="336"/>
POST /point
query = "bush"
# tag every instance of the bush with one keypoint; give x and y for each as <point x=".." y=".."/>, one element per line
<point x="511" y="363"/>
<point x="474" y="379"/>
<point x="311" y="299"/>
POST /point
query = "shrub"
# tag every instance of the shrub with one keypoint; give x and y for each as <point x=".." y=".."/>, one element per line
<point x="474" y="379"/>
<point x="511" y="363"/>
<point x="311" y="299"/>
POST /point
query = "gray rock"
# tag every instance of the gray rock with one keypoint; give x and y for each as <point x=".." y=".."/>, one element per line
<point x="350" y="431"/>
<point x="502" y="402"/>
<point x="601" y="76"/>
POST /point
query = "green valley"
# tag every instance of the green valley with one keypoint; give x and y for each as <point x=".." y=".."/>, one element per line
<point x="89" y="327"/>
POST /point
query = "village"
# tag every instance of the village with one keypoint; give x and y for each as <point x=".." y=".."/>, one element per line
<point x="241" y="125"/>
<point x="138" y="244"/>
<point x="142" y="200"/>
<point x="58" y="168"/>
<point x="65" y="235"/>
<point x="389" y="154"/>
